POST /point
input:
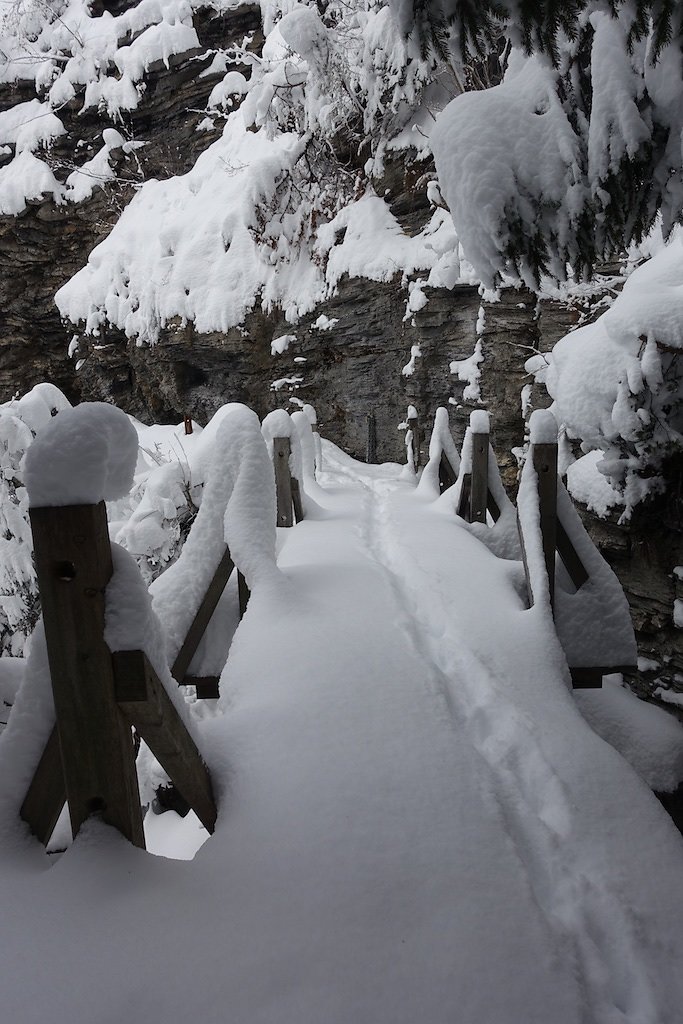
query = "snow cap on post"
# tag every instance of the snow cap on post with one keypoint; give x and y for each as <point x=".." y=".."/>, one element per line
<point x="479" y="422"/>
<point x="81" y="457"/>
<point x="542" y="427"/>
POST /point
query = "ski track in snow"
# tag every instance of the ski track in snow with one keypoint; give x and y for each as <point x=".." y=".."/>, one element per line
<point x="596" y="931"/>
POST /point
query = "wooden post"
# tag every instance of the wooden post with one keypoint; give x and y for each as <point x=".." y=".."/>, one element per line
<point x="283" y="481"/>
<point x="414" y="426"/>
<point x="544" y="458"/>
<point x="480" y="478"/>
<point x="73" y="566"/>
<point x="371" y="447"/>
<point x="188" y="424"/>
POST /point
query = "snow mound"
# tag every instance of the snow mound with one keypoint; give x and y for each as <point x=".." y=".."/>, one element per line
<point x="88" y="454"/>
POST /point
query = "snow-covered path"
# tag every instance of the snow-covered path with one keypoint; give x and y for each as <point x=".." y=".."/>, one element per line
<point x="416" y="824"/>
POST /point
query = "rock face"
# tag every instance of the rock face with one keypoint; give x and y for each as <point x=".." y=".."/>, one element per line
<point x="352" y="370"/>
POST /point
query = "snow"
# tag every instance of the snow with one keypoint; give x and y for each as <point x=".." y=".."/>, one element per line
<point x="613" y="381"/>
<point x="413" y="814"/>
<point x="650" y="739"/>
<point x="88" y="454"/>
<point x="441" y="443"/>
<point x="467" y="371"/>
<point x="587" y="484"/>
<point x="479" y="422"/>
<point x="281" y="344"/>
<point x="542" y="427"/>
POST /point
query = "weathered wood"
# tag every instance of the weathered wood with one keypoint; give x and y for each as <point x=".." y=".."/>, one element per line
<point x="148" y="708"/>
<point x="414" y="427"/>
<point x="296" y="500"/>
<point x="525" y="562"/>
<point x="447" y="475"/>
<point x="207" y="687"/>
<point x="544" y="458"/>
<point x="243" y="593"/>
<point x="283" y="481"/>
<point x="465" y="494"/>
<point x="203" y="616"/>
<point x="73" y="566"/>
<point x="46" y="795"/>
<point x="572" y="563"/>
<point x="492" y="506"/>
<point x="480" y="478"/>
<point x="587" y="678"/>
<point x="371" y="446"/>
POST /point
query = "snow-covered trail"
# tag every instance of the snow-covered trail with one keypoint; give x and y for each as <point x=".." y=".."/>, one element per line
<point x="415" y="822"/>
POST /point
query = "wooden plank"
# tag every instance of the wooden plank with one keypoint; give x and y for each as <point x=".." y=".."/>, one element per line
<point x="283" y="481"/>
<point x="525" y="563"/>
<point x="371" y="446"/>
<point x="243" y="593"/>
<point x="203" y="616"/>
<point x="492" y="506"/>
<point x="480" y="478"/>
<point x="414" y="426"/>
<point x="148" y="708"/>
<point x="464" y="502"/>
<point x="544" y="458"/>
<point x="73" y="565"/>
<point x="46" y="795"/>
<point x="447" y="475"/>
<point x="296" y="500"/>
<point x="207" y="687"/>
<point x="586" y="678"/>
<point x="572" y="563"/>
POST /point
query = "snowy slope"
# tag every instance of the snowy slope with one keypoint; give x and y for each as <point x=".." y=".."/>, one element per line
<point x="415" y="823"/>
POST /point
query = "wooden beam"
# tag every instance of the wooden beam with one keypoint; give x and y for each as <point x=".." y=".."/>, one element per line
<point x="283" y="481"/>
<point x="46" y="795"/>
<point x="492" y="506"/>
<point x="243" y="593"/>
<point x="465" y="492"/>
<point x="414" y="426"/>
<point x="447" y="475"/>
<point x="203" y="616"/>
<point x="148" y="708"/>
<point x="572" y="563"/>
<point x="296" y="500"/>
<point x="73" y="566"/>
<point x="480" y="478"/>
<point x="371" y="446"/>
<point x="207" y="687"/>
<point x="544" y="458"/>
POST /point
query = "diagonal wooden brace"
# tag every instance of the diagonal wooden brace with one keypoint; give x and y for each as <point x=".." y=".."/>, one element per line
<point x="145" y="704"/>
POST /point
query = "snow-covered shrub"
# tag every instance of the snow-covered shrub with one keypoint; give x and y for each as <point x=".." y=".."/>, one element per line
<point x="617" y="382"/>
<point x="19" y="606"/>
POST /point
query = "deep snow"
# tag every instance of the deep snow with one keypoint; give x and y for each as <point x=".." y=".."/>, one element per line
<point x="416" y="822"/>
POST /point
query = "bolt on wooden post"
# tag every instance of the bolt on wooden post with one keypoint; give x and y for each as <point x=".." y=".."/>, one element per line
<point x="74" y="566"/>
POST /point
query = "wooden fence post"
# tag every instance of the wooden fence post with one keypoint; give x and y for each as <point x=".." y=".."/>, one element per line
<point x="371" y="447"/>
<point x="480" y="478"/>
<point x="74" y="566"/>
<point x="187" y="420"/>
<point x="414" y="426"/>
<point x="544" y="460"/>
<point x="283" y="481"/>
